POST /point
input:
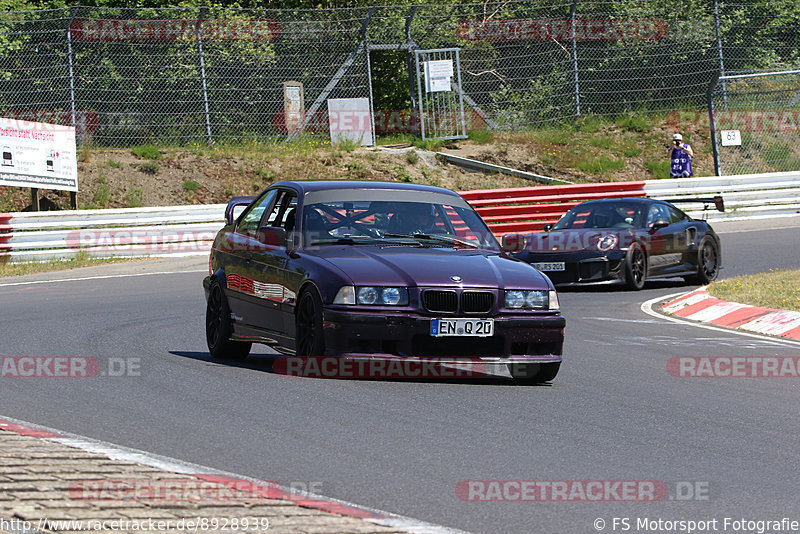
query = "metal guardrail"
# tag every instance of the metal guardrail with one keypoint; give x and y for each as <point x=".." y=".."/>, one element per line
<point x="479" y="166"/>
<point x="190" y="230"/>
<point x="132" y="232"/>
<point x="747" y="196"/>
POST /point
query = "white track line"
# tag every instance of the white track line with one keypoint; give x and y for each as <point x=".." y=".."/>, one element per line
<point x="102" y="277"/>
<point x="647" y="307"/>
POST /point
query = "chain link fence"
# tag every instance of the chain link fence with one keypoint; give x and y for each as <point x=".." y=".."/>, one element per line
<point x="202" y="75"/>
<point x="756" y="122"/>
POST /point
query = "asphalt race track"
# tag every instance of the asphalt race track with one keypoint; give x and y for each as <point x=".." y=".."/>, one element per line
<point x="612" y="414"/>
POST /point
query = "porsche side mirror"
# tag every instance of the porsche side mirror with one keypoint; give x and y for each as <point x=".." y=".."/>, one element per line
<point x="548" y="227"/>
<point x="513" y="242"/>
<point x="660" y="223"/>
<point x="272" y="236"/>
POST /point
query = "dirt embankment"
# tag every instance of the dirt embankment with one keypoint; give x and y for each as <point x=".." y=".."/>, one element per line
<point x="173" y="176"/>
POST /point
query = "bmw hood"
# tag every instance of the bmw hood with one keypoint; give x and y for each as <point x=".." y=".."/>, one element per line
<point x="430" y="267"/>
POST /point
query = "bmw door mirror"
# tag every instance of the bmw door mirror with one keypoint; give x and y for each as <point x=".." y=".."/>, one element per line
<point x="513" y="242"/>
<point x="272" y="236"/>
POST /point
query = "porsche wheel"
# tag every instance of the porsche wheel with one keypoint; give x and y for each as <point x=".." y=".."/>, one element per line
<point x="635" y="267"/>
<point x="533" y="373"/>
<point x="219" y="328"/>
<point x="308" y="332"/>
<point x="707" y="262"/>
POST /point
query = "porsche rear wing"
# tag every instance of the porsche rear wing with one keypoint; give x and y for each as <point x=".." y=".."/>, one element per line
<point x="716" y="200"/>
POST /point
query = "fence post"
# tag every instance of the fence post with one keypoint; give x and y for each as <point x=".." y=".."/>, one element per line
<point x="206" y="111"/>
<point x="712" y="124"/>
<point x="575" y="57"/>
<point x="73" y="195"/>
<point x="71" y="73"/>
<point x="719" y="52"/>
<point x="411" y="45"/>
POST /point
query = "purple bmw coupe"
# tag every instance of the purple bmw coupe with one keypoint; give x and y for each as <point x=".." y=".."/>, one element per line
<point x="361" y="270"/>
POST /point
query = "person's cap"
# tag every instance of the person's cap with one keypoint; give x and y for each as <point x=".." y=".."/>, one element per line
<point x="677" y="137"/>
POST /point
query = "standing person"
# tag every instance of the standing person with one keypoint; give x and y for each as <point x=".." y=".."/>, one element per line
<point x="681" y="155"/>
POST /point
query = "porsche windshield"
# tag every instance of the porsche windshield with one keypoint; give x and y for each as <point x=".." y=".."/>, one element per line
<point x="602" y="215"/>
<point x="381" y="221"/>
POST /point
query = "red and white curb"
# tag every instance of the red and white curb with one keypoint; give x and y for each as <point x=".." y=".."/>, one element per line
<point x="699" y="306"/>
<point x="274" y="491"/>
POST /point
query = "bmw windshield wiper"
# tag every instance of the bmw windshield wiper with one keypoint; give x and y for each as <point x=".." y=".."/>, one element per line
<point x="346" y="240"/>
<point x="440" y="238"/>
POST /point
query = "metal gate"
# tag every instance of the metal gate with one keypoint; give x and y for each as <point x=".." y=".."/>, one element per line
<point x="440" y="97"/>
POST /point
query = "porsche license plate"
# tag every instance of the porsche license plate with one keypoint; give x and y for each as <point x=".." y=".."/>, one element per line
<point x="550" y="266"/>
<point x="462" y="327"/>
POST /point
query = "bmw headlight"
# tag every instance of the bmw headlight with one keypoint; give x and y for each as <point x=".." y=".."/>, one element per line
<point x="530" y="300"/>
<point x="515" y="299"/>
<point x="345" y="295"/>
<point x="553" y="300"/>
<point x="382" y="296"/>
<point x="392" y="296"/>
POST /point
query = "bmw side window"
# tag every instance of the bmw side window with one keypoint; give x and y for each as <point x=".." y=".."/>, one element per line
<point x="282" y="213"/>
<point x="249" y="222"/>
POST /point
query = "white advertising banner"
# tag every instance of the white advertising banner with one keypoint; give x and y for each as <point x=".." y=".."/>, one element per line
<point x="39" y="155"/>
<point x="350" y="119"/>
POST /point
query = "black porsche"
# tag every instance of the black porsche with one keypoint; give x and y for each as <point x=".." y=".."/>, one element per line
<point x="623" y="240"/>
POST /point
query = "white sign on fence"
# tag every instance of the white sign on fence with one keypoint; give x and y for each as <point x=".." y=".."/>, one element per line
<point x="39" y="155"/>
<point x="438" y="75"/>
<point x="731" y="137"/>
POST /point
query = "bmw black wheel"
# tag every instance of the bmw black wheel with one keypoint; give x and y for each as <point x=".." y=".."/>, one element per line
<point x="308" y="333"/>
<point x="219" y="328"/>
<point x="635" y="267"/>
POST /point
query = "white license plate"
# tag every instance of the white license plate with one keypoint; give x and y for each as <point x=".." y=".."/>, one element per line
<point x="462" y="327"/>
<point x="551" y="266"/>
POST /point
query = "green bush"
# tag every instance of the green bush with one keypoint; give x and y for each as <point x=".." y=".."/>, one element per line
<point x="190" y="185"/>
<point x="146" y="152"/>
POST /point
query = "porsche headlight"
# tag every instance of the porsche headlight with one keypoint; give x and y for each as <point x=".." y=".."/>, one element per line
<point x="607" y="242"/>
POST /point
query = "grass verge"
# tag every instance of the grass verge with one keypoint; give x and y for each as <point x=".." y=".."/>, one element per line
<point x="779" y="289"/>
<point x="82" y="259"/>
